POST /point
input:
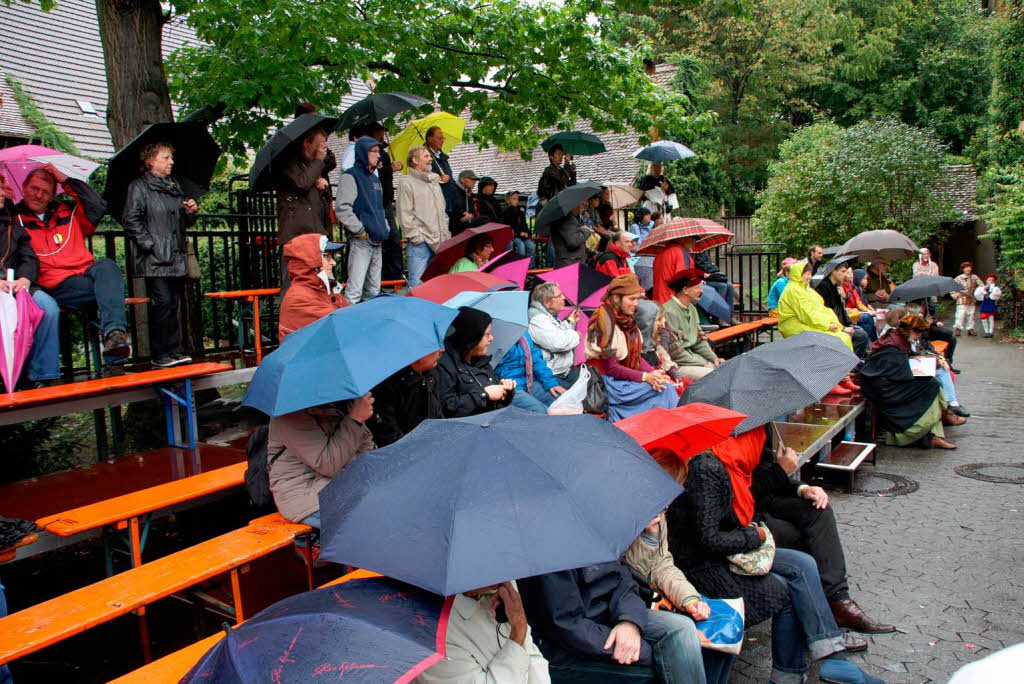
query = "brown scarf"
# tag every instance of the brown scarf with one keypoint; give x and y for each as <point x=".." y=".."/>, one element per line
<point x="601" y="332"/>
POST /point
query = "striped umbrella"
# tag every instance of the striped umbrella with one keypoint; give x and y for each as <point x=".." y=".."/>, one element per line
<point x="706" y="234"/>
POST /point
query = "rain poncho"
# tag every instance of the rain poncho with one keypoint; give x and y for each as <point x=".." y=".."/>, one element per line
<point x="801" y="309"/>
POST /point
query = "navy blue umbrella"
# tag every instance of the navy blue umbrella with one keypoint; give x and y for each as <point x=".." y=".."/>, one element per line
<point x="465" y="503"/>
<point x="366" y="629"/>
<point x="714" y="304"/>
<point x="346" y="353"/>
<point x="663" y="151"/>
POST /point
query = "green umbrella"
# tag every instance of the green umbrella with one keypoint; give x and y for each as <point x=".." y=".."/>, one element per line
<point x="574" y="142"/>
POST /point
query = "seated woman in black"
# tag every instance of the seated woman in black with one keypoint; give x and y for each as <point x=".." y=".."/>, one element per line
<point x="466" y="381"/>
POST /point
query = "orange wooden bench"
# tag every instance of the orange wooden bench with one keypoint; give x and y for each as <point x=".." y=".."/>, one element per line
<point x="60" y="618"/>
<point x="125" y="512"/>
<point x="940" y="346"/>
<point x="735" y="332"/>
<point x="395" y="285"/>
<point x="174" y="666"/>
<point x="252" y="297"/>
<point x="9" y="553"/>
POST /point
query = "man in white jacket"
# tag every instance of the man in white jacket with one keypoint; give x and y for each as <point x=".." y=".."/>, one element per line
<point x="556" y="338"/>
<point x="419" y="207"/>
<point x="482" y="650"/>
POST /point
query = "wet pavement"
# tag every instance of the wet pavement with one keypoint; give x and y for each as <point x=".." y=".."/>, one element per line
<point x="944" y="562"/>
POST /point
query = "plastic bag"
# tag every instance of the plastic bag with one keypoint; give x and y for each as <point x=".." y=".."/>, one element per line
<point x="723" y="630"/>
<point x="570" y="402"/>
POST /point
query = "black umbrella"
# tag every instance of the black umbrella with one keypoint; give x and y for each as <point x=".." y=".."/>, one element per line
<point x="261" y="175"/>
<point x="378" y="107"/>
<point x="923" y="287"/>
<point x="195" y="157"/>
<point x="831" y="251"/>
<point x="776" y="378"/>
<point x="559" y="206"/>
<point x="838" y="261"/>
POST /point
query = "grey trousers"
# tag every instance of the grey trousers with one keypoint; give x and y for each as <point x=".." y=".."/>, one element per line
<point x="364" y="264"/>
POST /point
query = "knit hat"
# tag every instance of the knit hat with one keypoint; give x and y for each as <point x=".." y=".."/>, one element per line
<point x="468" y="328"/>
<point x="623" y="285"/>
<point x="858" y="275"/>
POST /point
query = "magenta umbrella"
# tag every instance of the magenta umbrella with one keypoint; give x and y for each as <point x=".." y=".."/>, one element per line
<point x="453" y="249"/>
<point x="19" y="318"/>
<point x="584" y="289"/>
<point x="510" y="266"/>
<point x="16" y="163"/>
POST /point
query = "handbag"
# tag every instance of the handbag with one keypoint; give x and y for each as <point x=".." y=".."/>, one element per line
<point x="192" y="270"/>
<point x="596" y="400"/>
<point x="757" y="561"/>
<point x="723" y="630"/>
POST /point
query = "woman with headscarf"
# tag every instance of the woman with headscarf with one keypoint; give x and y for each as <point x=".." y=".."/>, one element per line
<point x="911" y="407"/>
<point x="466" y="382"/>
<point x="713" y="519"/>
<point x="614" y="347"/>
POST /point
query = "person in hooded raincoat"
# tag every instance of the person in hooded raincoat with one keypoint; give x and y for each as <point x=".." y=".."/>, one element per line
<point x="360" y="209"/>
<point x="309" y="298"/>
<point x="802" y="309"/>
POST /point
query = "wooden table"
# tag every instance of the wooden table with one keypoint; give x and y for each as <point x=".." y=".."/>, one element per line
<point x="252" y="297"/>
<point x="823" y="422"/>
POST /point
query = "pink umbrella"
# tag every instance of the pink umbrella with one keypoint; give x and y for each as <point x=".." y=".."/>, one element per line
<point x="453" y="249"/>
<point x="16" y="163"/>
<point x="19" y="318"/>
<point x="584" y="289"/>
<point x="510" y="266"/>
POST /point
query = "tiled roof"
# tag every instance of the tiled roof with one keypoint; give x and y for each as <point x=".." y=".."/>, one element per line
<point x="959" y="182"/>
<point x="58" y="57"/>
<point x="12" y="123"/>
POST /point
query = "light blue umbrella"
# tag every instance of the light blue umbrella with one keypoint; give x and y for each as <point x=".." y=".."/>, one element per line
<point x="347" y="353"/>
<point x="663" y="151"/>
<point x="508" y="312"/>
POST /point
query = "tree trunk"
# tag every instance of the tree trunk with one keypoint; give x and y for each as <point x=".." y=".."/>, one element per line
<point x="132" y="33"/>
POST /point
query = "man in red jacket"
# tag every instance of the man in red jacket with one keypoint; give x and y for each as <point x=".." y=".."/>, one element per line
<point x="615" y="261"/>
<point x="67" y="269"/>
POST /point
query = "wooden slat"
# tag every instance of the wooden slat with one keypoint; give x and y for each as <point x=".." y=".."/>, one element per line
<point x="100" y="385"/>
<point x="118" y="509"/>
<point x="244" y="294"/>
<point x="278" y="521"/>
<point x="47" y="623"/>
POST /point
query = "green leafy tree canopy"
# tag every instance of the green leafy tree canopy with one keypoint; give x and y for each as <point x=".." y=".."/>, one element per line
<point x="831" y="183"/>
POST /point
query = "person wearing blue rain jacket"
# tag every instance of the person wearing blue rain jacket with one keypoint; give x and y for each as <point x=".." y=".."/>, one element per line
<point x="775" y="294"/>
<point x="537" y="385"/>
<point x="360" y="209"/>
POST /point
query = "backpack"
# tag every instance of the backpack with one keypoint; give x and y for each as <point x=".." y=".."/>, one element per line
<point x="257" y="475"/>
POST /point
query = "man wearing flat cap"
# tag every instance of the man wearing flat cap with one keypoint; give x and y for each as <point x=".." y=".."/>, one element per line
<point x="682" y="336"/>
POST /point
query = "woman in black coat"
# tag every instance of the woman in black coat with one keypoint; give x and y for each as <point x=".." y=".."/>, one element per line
<point x="466" y="380"/>
<point x="156" y="214"/>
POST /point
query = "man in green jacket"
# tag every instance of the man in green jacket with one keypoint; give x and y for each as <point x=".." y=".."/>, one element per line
<point x="682" y="336"/>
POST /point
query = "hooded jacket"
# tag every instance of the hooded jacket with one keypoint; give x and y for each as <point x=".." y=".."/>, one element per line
<point x="886" y="379"/>
<point x="16" y="251"/>
<point x="308" y="298"/>
<point x="487" y="205"/>
<point x="801" y="309"/>
<point x="299" y="202"/>
<point x="155" y="218"/>
<point x="513" y="366"/>
<point x="569" y="238"/>
<point x="834" y="299"/>
<point x="420" y="208"/>
<point x="613" y="262"/>
<point x="360" y="203"/>
<point x="557" y="339"/>
<point x="58" y="238"/>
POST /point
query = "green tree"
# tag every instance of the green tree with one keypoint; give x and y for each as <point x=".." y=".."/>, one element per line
<point x="831" y="183"/>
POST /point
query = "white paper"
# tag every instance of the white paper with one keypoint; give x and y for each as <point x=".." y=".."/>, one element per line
<point x="923" y="366"/>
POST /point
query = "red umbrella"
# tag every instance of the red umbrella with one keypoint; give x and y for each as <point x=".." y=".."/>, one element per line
<point x="442" y="288"/>
<point x="509" y="265"/>
<point x="706" y="234"/>
<point x="583" y="288"/>
<point x="453" y="249"/>
<point x="685" y="431"/>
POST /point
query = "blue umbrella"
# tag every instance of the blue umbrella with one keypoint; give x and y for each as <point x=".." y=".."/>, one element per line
<point x="508" y="312"/>
<point x="346" y="353"/>
<point x="663" y="151"/>
<point x="465" y="503"/>
<point x="370" y="629"/>
<point x="714" y="304"/>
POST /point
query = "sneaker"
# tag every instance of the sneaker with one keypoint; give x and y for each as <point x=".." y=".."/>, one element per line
<point x="165" y="361"/>
<point x="115" y="347"/>
<point x="181" y="358"/>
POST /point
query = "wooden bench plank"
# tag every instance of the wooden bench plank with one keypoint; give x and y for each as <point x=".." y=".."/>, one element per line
<point x="127" y="506"/>
<point x="278" y="521"/>
<point x="100" y="385"/>
<point x="243" y="294"/>
<point x="47" y="623"/>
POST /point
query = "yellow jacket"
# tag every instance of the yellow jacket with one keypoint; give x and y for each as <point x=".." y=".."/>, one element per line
<point x="801" y="308"/>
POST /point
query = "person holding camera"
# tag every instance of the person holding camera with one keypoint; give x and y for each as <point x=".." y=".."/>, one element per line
<point x="489" y="640"/>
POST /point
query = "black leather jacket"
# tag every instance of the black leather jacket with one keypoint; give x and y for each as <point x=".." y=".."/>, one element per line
<point x="155" y="218"/>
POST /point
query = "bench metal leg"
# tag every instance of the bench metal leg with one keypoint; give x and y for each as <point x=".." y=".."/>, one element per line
<point x="236" y="592"/>
<point x="173" y="403"/>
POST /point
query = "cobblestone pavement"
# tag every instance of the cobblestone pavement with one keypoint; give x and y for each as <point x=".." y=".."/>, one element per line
<point x="944" y="563"/>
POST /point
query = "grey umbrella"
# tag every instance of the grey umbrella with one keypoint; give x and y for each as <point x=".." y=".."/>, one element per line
<point x="559" y="206"/>
<point x="923" y="287"/>
<point x="831" y="266"/>
<point x="776" y="378"/>
<point x="876" y="245"/>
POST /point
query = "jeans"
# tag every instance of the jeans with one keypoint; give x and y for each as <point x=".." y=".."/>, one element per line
<point x="726" y="290"/>
<point x="364" y="263"/>
<point x="525" y="247"/>
<point x="44" y="358"/>
<point x="528" y="402"/>
<point x="676" y="649"/>
<point x="313" y="520"/>
<point x="164" y="327"/>
<point x="103" y="284"/>
<point x="799" y="573"/>
<point x="798" y="525"/>
<point x="418" y="256"/>
<point x="860" y="341"/>
<point x="867" y="324"/>
<point x="946" y="380"/>
<point x="551" y="254"/>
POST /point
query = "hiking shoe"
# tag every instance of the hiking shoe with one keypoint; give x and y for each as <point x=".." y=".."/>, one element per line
<point x="115" y="347"/>
<point x="181" y="358"/>
<point x="165" y="361"/>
